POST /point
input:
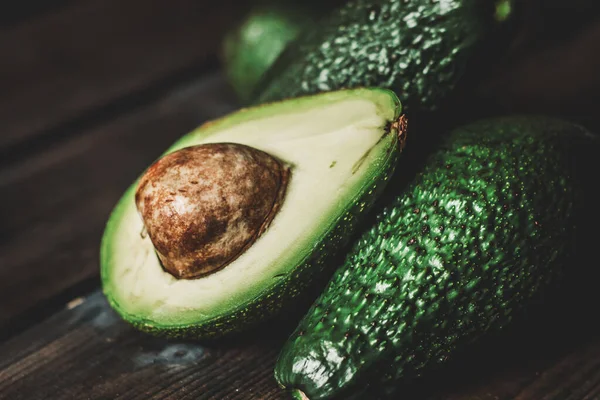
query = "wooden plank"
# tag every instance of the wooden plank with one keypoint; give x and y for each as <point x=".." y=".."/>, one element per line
<point x="55" y="204"/>
<point x="66" y="64"/>
<point x="86" y="351"/>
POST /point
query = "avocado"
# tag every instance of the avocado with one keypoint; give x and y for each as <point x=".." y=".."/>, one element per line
<point x="483" y="232"/>
<point x="239" y="216"/>
<point x="254" y="43"/>
<point x="418" y="48"/>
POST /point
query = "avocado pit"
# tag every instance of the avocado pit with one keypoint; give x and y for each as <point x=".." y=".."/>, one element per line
<point x="204" y="205"/>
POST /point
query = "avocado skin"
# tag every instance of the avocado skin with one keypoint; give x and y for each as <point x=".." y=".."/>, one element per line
<point x="484" y="231"/>
<point x="251" y="47"/>
<point x="253" y="44"/>
<point x="418" y="48"/>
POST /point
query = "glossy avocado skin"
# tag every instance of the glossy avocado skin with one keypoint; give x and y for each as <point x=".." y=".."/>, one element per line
<point x="482" y="231"/>
<point x="252" y="46"/>
<point x="249" y="49"/>
<point x="418" y="48"/>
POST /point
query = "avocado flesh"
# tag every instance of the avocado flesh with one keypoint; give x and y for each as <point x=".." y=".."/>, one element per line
<point x="477" y="237"/>
<point x="341" y="151"/>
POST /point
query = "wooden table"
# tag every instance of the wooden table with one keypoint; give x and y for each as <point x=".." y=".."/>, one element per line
<point x="90" y="93"/>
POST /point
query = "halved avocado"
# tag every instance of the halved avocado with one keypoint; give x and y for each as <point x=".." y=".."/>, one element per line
<point x="338" y="148"/>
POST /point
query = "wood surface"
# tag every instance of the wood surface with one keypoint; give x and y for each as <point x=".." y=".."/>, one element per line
<point x="93" y="91"/>
<point x="85" y="351"/>
<point x="62" y="69"/>
<point x="65" y="193"/>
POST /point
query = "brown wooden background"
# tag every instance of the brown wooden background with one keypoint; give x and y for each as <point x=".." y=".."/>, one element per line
<point x="91" y="92"/>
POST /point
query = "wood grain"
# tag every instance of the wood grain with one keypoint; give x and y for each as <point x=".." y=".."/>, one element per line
<point x="67" y="64"/>
<point x="55" y="203"/>
<point x="86" y="351"/>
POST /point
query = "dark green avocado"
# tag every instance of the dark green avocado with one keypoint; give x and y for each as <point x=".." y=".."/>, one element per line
<point x="418" y="48"/>
<point x="486" y="228"/>
<point x="253" y="44"/>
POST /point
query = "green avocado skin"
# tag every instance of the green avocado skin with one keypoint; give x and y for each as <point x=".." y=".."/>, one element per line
<point x="252" y="46"/>
<point x="484" y="229"/>
<point x="418" y="48"/>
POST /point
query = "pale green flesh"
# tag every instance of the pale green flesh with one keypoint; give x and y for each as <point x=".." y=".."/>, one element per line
<point x="335" y="143"/>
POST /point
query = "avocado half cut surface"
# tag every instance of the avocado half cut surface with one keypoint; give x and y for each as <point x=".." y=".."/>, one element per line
<point x="337" y="149"/>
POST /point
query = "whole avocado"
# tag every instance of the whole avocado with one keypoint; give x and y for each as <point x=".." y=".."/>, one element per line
<point x="251" y="47"/>
<point x="418" y="48"/>
<point x="483" y="231"/>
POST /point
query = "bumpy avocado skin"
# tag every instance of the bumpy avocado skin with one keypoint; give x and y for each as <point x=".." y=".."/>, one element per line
<point x="484" y="229"/>
<point x="418" y="48"/>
